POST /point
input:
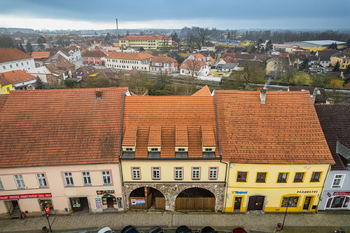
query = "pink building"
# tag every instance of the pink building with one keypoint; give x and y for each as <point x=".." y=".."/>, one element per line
<point x="95" y="57"/>
<point x="163" y="65"/>
<point x="66" y="156"/>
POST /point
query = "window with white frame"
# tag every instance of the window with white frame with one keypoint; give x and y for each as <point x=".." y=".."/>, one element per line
<point x="19" y="181"/>
<point x="136" y="173"/>
<point x="155" y="173"/>
<point x="1" y="186"/>
<point x="68" y="178"/>
<point x="41" y="180"/>
<point x="213" y="173"/>
<point x="338" y="181"/>
<point x="196" y="173"/>
<point x="86" y="178"/>
<point x="106" y="176"/>
<point x="178" y="173"/>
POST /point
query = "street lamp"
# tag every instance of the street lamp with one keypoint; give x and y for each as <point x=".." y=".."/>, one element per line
<point x="288" y="203"/>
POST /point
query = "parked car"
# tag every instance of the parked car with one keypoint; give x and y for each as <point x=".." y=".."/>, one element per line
<point x="106" y="230"/>
<point x="183" y="229"/>
<point x="239" y="230"/>
<point x="156" y="230"/>
<point x="129" y="229"/>
<point x="208" y="230"/>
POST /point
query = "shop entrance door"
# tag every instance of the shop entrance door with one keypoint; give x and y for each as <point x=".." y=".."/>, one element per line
<point x="79" y="204"/>
<point x="307" y="203"/>
<point x="256" y="202"/>
<point x="110" y="202"/>
<point x="13" y="209"/>
<point x="237" y="207"/>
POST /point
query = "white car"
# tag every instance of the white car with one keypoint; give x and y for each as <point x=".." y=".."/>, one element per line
<point x="106" y="230"/>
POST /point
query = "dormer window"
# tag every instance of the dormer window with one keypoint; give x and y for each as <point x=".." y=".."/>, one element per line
<point x="129" y="149"/>
<point x="208" y="149"/>
<point x="154" y="149"/>
<point x="181" y="149"/>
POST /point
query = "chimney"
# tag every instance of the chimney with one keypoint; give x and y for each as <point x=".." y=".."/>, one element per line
<point x="98" y="94"/>
<point x="330" y="101"/>
<point x="263" y="96"/>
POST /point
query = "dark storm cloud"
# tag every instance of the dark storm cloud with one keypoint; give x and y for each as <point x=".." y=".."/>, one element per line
<point x="147" y="10"/>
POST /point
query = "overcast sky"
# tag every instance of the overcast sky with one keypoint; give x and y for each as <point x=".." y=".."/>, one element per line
<point x="224" y="14"/>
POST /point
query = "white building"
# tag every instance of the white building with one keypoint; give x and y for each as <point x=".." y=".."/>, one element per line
<point x="15" y="59"/>
<point x="200" y="68"/>
<point x="74" y="53"/>
<point x="129" y="61"/>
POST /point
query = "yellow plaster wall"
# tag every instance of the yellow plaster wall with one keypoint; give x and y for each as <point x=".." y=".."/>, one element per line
<point x="5" y="88"/>
<point x="167" y="169"/>
<point x="273" y="191"/>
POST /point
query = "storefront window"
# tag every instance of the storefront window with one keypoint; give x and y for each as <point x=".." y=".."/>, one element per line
<point x="338" y="202"/>
<point x="46" y="202"/>
<point x="293" y="201"/>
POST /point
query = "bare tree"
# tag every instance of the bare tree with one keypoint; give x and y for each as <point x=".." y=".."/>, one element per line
<point x="193" y="66"/>
<point x="201" y="35"/>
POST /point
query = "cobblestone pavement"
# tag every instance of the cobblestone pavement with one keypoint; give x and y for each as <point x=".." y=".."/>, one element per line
<point x="253" y="222"/>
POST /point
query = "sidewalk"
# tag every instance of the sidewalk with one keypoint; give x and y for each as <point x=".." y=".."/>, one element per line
<point x="306" y="222"/>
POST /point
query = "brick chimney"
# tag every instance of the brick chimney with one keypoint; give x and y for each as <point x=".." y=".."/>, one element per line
<point x="98" y="94"/>
<point x="263" y="96"/>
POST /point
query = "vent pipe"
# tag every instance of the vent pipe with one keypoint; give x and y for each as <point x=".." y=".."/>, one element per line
<point x="263" y="96"/>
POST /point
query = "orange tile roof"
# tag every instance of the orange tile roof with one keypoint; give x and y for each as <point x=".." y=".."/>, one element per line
<point x="62" y="127"/>
<point x="198" y="55"/>
<point x="130" y="134"/>
<point x="7" y="55"/>
<point x="170" y="112"/>
<point x="181" y="136"/>
<point x="94" y="53"/>
<point x="204" y="91"/>
<point x="14" y="77"/>
<point x="129" y="56"/>
<point x="155" y="135"/>
<point x="42" y="54"/>
<point x="143" y="37"/>
<point x="284" y="130"/>
<point x="192" y="65"/>
<point x="3" y="98"/>
<point x="163" y="60"/>
<point x="208" y="137"/>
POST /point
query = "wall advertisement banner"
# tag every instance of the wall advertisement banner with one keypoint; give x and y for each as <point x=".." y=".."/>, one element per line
<point x="25" y="196"/>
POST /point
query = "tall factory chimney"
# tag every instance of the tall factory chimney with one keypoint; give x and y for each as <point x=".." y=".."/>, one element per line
<point x="117" y="27"/>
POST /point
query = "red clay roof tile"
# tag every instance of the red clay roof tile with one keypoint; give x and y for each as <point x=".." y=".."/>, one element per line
<point x="204" y="91"/>
<point x="130" y="134"/>
<point x="62" y="127"/>
<point x="181" y="136"/>
<point x="7" y="55"/>
<point x="13" y="77"/>
<point x="155" y="135"/>
<point x="284" y="130"/>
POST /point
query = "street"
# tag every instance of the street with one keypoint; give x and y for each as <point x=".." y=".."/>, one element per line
<point x="252" y="222"/>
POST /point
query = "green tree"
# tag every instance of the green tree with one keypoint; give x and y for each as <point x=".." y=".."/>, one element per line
<point x="269" y="46"/>
<point x="22" y="48"/>
<point x="6" y="42"/>
<point x="142" y="49"/>
<point x="108" y="37"/>
<point x="163" y="85"/>
<point x="335" y="83"/>
<point x="233" y="83"/>
<point x="251" y="74"/>
<point x="39" y="83"/>
<point x="305" y="64"/>
<point x="127" y="33"/>
<point x="41" y="40"/>
<point x="348" y="43"/>
<point x="29" y="48"/>
<point x="336" y="66"/>
<point x="260" y="41"/>
<point x="347" y="71"/>
<point x="175" y="37"/>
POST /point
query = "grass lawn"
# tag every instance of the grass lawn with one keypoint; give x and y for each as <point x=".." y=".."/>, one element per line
<point x="216" y="74"/>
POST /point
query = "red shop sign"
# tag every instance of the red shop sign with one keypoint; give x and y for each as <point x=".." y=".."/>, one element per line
<point x="25" y="196"/>
<point x="341" y="193"/>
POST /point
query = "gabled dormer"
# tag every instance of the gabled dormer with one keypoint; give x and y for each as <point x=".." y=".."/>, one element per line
<point x="129" y="142"/>
<point x="208" y="142"/>
<point x="154" y="141"/>
<point x="181" y="142"/>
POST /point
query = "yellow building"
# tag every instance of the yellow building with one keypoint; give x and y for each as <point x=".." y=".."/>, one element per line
<point x="275" y="150"/>
<point x="318" y="45"/>
<point x="344" y="61"/>
<point x="146" y="42"/>
<point x="170" y="155"/>
<point x="245" y="43"/>
<point x="17" y="79"/>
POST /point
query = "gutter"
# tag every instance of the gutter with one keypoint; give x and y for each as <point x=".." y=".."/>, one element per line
<point x="119" y="152"/>
<point x="217" y="126"/>
<point x="325" y="179"/>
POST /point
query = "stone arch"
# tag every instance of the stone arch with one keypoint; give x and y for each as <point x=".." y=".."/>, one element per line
<point x="172" y="190"/>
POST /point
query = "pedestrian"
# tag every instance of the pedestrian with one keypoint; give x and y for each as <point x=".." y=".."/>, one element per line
<point x="23" y="215"/>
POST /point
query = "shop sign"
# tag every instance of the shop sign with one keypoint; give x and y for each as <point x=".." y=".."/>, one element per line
<point x="239" y="192"/>
<point x="101" y="192"/>
<point x="98" y="203"/>
<point x="138" y="202"/>
<point x="25" y="196"/>
<point x="307" y="191"/>
<point x="341" y="193"/>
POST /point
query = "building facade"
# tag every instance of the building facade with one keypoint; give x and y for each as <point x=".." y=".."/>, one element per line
<point x="16" y="80"/>
<point x="273" y="164"/>
<point x="71" y="163"/>
<point x="129" y="61"/>
<point x="94" y="57"/>
<point x="15" y="59"/>
<point x="163" y="65"/>
<point x="146" y="42"/>
<point x="170" y="159"/>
